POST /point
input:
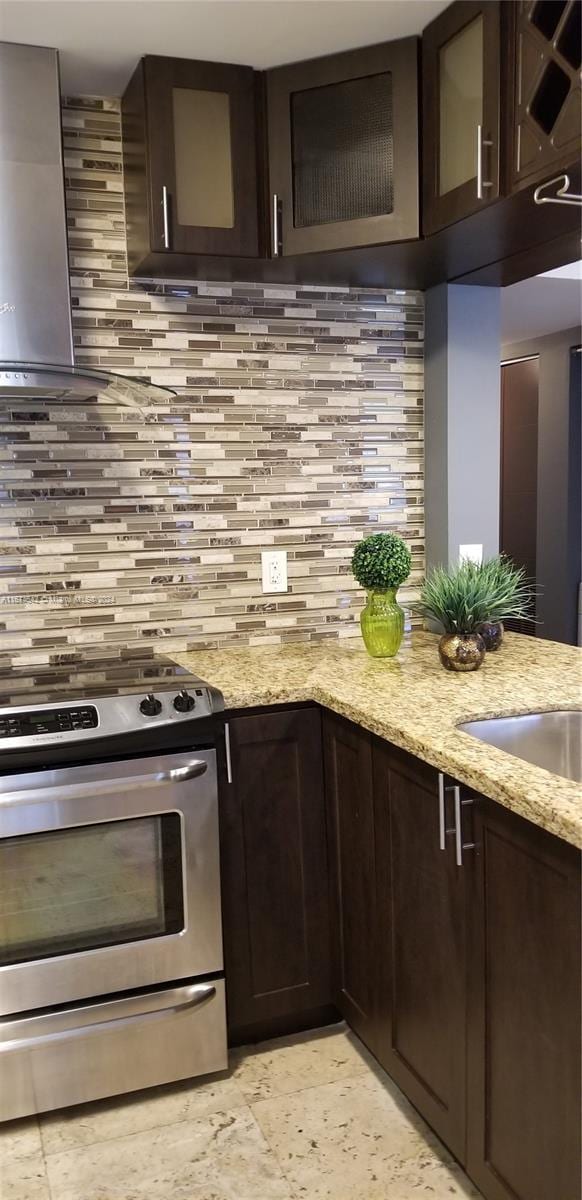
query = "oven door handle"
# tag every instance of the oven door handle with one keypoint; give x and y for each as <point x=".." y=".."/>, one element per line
<point x="105" y="787"/>
<point x="18" y="1033"/>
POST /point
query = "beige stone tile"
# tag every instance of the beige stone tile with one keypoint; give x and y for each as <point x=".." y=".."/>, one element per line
<point x="19" y="1139"/>
<point x="221" y="1157"/>
<point x="358" y="1139"/>
<point x="136" y="1111"/>
<point x="287" y="1065"/>
<point x="24" y="1179"/>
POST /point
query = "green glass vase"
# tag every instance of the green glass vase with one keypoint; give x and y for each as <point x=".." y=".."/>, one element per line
<point x="382" y="622"/>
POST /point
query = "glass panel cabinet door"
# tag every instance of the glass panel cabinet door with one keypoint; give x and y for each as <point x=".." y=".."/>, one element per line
<point x="461" y="82"/>
<point x="202" y="157"/>
<point x="343" y="159"/>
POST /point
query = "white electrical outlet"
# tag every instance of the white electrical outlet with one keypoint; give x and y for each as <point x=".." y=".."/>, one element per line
<point x="274" y="570"/>
<point x="473" y="552"/>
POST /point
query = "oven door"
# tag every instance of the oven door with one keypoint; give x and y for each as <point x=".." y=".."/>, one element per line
<point x="109" y="878"/>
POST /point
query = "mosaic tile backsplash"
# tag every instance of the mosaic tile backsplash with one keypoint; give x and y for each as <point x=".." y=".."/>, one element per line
<point x="297" y="425"/>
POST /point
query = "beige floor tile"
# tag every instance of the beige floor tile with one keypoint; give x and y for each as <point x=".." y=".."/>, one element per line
<point x="24" y="1179"/>
<point x="286" y="1065"/>
<point x="122" y="1115"/>
<point x="358" y="1139"/>
<point x="220" y="1157"/>
<point x="19" y="1139"/>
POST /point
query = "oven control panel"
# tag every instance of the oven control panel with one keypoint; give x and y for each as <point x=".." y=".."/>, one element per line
<point x="35" y="722"/>
<point x="37" y="725"/>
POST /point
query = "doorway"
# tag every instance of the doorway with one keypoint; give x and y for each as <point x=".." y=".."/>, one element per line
<point x="518" y="521"/>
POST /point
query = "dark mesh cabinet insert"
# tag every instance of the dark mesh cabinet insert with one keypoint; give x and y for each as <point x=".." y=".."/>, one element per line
<point x="342" y="151"/>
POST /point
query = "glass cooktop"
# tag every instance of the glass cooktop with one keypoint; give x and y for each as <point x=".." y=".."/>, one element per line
<point x="84" y="679"/>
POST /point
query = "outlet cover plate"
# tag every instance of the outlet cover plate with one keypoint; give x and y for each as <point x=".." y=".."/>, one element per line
<point x="274" y="571"/>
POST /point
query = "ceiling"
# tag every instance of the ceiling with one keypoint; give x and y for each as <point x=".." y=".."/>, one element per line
<point x="101" y="40"/>
<point x="545" y="304"/>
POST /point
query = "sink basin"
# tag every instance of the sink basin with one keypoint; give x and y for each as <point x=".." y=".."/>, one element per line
<point x="551" y="739"/>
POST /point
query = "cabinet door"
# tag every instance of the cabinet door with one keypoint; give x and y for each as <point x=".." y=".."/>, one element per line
<point x="343" y="149"/>
<point x="274" y="871"/>
<point x="525" y="1013"/>
<point x="545" y="90"/>
<point x="422" y="942"/>
<point x="201" y="153"/>
<point x="460" y="135"/>
<point x="350" y="809"/>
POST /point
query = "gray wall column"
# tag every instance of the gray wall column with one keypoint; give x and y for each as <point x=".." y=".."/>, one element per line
<point x="462" y="420"/>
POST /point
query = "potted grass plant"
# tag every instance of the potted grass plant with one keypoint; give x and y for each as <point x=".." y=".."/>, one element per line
<point x="466" y="600"/>
<point x="380" y="563"/>
<point x="510" y="595"/>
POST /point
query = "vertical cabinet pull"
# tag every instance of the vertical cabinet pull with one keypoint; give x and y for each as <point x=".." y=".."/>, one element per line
<point x="227" y="751"/>
<point x="460" y="845"/>
<point x="481" y="183"/>
<point x="166" y="218"/>
<point x="443" y="831"/>
<point x="275" y="224"/>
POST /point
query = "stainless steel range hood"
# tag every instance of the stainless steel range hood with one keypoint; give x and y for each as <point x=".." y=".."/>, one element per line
<point x="36" y="337"/>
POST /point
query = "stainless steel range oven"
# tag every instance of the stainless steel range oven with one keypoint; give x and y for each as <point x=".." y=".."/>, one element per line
<point x="110" y="922"/>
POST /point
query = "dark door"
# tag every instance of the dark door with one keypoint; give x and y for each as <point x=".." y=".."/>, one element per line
<point x="274" y="871"/>
<point x="421" y="942"/>
<point x="202" y="167"/>
<point x="524" y="1012"/>
<point x="460" y="134"/>
<point x="519" y="470"/>
<point x="343" y="149"/>
<point x="350" y="809"/>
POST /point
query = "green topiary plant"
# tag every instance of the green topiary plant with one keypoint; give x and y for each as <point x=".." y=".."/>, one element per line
<point x="381" y="561"/>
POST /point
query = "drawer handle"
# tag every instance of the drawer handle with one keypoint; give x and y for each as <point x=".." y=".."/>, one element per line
<point x="227" y="752"/>
<point x="443" y="831"/>
<point x="70" y="1022"/>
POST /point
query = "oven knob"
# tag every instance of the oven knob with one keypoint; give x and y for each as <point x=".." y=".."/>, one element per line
<point x="184" y="702"/>
<point x="150" y="707"/>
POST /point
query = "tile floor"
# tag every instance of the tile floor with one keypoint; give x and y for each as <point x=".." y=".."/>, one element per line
<point x="305" y="1117"/>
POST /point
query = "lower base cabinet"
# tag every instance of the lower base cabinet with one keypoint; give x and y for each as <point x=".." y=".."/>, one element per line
<point x="472" y="995"/>
<point x="524" y="1014"/>
<point x="454" y="953"/>
<point x="274" y="875"/>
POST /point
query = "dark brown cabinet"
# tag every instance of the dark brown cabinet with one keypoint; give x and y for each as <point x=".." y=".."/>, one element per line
<point x="421" y="964"/>
<point x="274" y="874"/>
<point x="343" y="149"/>
<point x="352" y="858"/>
<point x="190" y="161"/>
<point x="544" y="89"/>
<point x="524" y="1011"/>
<point x="461" y="95"/>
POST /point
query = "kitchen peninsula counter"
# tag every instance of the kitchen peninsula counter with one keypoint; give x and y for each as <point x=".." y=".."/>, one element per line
<point x="414" y="703"/>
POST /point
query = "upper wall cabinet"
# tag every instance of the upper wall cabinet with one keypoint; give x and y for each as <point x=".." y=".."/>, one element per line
<point x="545" y="89"/>
<point x="461" y="86"/>
<point x="343" y="149"/>
<point x="189" y="146"/>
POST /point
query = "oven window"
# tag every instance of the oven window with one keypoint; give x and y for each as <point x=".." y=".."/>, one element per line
<point x="90" y="886"/>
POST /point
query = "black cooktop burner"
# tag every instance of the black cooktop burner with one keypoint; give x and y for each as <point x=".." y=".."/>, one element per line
<point x="85" y="679"/>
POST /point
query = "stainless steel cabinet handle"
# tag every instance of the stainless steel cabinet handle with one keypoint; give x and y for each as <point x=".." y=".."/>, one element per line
<point x="78" y="791"/>
<point x="166" y="217"/>
<point x="443" y="831"/>
<point x="227" y="751"/>
<point x="460" y="845"/>
<point x="275" y="247"/>
<point x="481" y="183"/>
<point x="70" y="1022"/>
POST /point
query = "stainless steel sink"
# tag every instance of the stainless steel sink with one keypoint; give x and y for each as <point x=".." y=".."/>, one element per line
<point x="551" y="739"/>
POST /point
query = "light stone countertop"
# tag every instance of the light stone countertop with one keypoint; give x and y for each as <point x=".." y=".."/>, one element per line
<point x="413" y="702"/>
